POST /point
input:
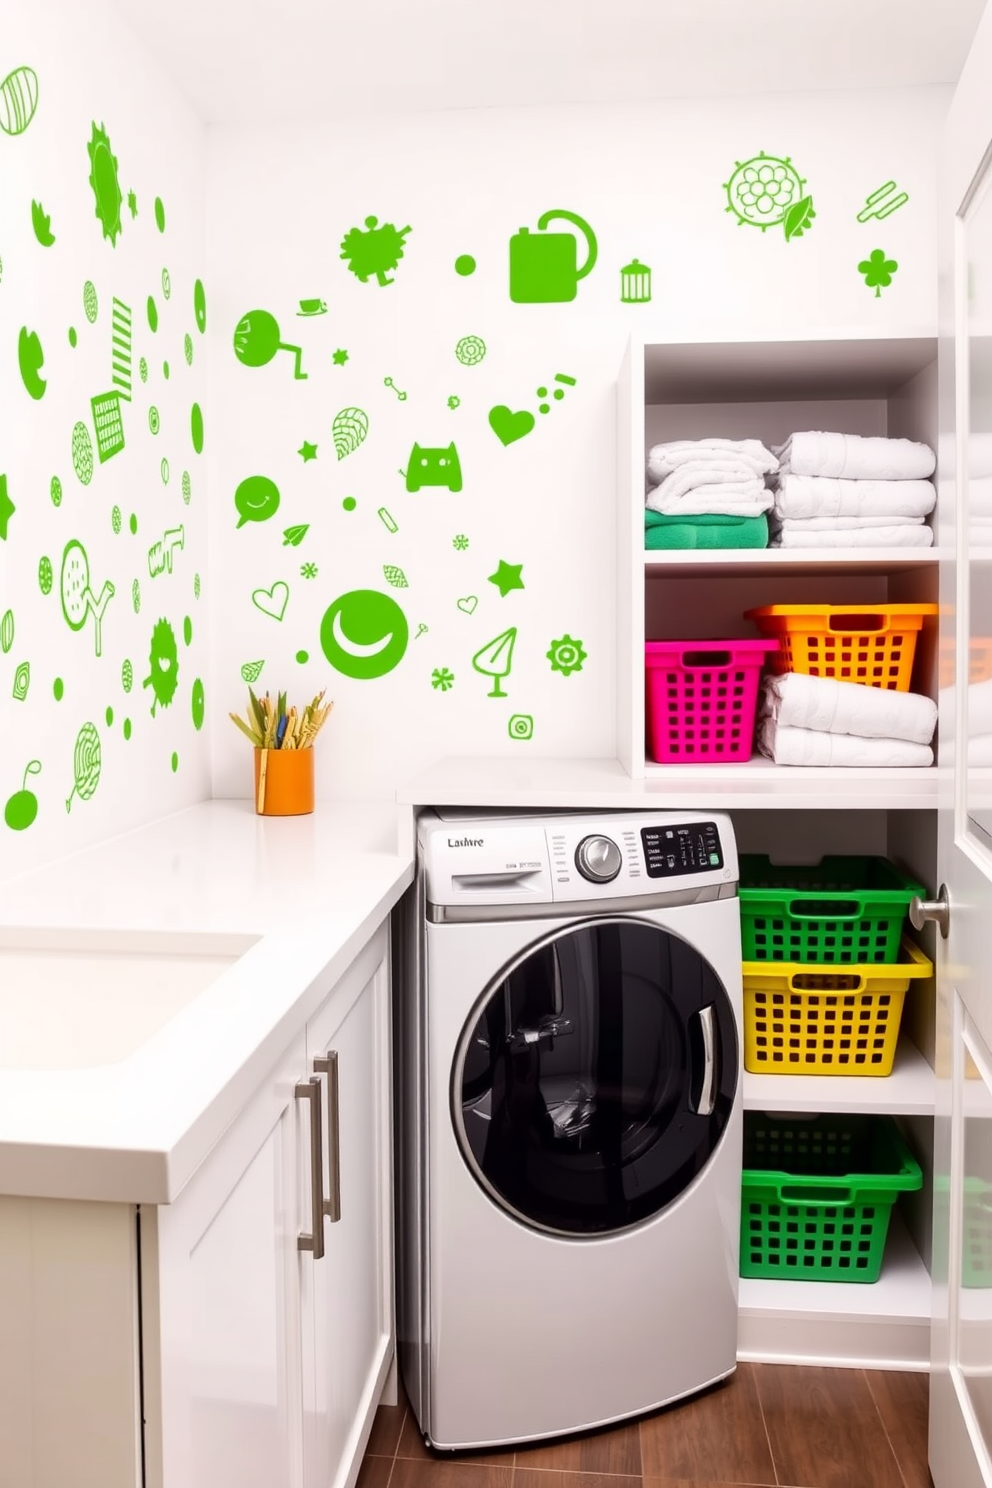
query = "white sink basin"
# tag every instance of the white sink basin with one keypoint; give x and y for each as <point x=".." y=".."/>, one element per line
<point x="75" y="999"/>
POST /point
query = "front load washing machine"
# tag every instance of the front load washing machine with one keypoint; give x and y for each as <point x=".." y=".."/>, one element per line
<point x="569" y="1120"/>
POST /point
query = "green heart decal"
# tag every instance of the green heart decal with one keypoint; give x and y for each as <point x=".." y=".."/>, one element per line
<point x="272" y="601"/>
<point x="507" y="425"/>
<point x="468" y="604"/>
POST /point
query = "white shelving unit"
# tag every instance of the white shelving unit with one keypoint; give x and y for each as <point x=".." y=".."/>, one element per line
<point x="910" y="1090"/>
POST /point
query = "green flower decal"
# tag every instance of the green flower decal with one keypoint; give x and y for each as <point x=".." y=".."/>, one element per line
<point x="878" y="271"/>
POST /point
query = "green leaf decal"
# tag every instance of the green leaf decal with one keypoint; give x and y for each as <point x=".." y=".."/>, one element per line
<point x="395" y="576"/>
<point x="798" y="217"/>
<point x="252" y="670"/>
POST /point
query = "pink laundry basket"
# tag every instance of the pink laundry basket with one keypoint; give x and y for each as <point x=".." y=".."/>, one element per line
<point x="701" y="699"/>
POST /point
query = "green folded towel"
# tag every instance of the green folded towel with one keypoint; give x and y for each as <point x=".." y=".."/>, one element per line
<point x="704" y="531"/>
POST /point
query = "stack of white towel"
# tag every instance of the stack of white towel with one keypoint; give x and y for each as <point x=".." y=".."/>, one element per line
<point x="852" y="491"/>
<point x="818" y="721"/>
<point x="979" y="720"/>
<point x="710" y="477"/>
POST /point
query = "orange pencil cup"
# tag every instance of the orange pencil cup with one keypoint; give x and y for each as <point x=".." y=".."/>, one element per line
<point x="283" y="782"/>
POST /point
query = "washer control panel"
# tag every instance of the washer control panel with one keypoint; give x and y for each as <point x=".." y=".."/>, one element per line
<point x="598" y="859"/>
<point x="685" y="847"/>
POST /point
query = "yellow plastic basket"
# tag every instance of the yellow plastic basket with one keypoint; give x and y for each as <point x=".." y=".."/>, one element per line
<point x="826" y="1020"/>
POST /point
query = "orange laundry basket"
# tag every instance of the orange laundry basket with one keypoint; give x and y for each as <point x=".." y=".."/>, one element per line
<point x="871" y="644"/>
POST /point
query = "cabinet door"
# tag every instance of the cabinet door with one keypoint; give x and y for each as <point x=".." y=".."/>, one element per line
<point x="350" y="1288"/>
<point x="960" y="1408"/>
<point x="221" y="1276"/>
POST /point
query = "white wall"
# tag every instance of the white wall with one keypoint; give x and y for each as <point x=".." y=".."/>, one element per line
<point x="90" y="72"/>
<point x="649" y="179"/>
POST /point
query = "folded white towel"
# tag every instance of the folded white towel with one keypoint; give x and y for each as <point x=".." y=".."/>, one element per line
<point x="741" y="498"/>
<point x="824" y="496"/>
<point x="980" y="750"/>
<point x="744" y="455"/>
<point x="979" y="706"/>
<point x="841" y="524"/>
<point x="855" y="456"/>
<point x="908" y="536"/>
<point x="829" y="706"/>
<point x="797" y="746"/>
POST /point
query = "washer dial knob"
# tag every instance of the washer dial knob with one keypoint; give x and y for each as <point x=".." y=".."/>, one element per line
<point x="598" y="859"/>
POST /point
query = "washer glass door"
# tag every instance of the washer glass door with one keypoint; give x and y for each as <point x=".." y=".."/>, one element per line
<point x="593" y="1081"/>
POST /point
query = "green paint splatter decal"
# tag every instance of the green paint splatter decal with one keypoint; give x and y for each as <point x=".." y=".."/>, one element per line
<point x="30" y="360"/>
<point x="374" y="251"/>
<point x="163" y="666"/>
<point x="544" y="266"/>
<point x="104" y="183"/>
<point x="41" y="224"/>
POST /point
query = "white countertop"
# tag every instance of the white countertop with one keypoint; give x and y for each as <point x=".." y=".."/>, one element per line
<point x="312" y="889"/>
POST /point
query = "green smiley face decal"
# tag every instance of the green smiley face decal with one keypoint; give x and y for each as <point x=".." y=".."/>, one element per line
<point x="256" y="499"/>
<point x="364" y="634"/>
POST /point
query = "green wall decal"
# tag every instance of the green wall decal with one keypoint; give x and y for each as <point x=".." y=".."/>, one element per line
<point x="388" y="382"/>
<point x="387" y="519"/>
<point x="251" y="671"/>
<point x="442" y="680"/>
<point x="350" y="429"/>
<point x="163" y="471"/>
<point x="7" y="508"/>
<point x="188" y="349"/>
<point x="312" y="307"/>
<point x="7" y="631"/>
<point x="349" y="504"/>
<point x="197" y="704"/>
<point x="82" y="453"/>
<point x="459" y="542"/>
<point x="58" y="689"/>
<point x="126" y="728"/>
<point x="196" y="427"/>
<point x="434" y="466"/>
<point x="186" y="487"/>
<point x="78" y="599"/>
<point x="132" y="204"/>
<point x="302" y="657"/>
<point x="766" y="191"/>
<point x="73" y="338"/>
<point x="559" y="393"/>
<point x="159" y="214"/>
<point x="86" y="764"/>
<point x="507" y="577"/>
<point x="22" y="807"/>
<point x="91" y="303"/>
<point x="421" y="630"/>
<point x="364" y="634"/>
<point x="165" y="370"/>
<point x="544" y="267"/>
<point x="509" y="426"/>
<point x="196" y="585"/>
<point x="108" y="717"/>
<point x="152" y="313"/>
<point x="154" y="422"/>
<point x="495" y="659"/>
<point x="470" y="350"/>
<point x="18" y="100"/>
<point x="132" y="522"/>
<point x="256" y="499"/>
<point x="174" y="762"/>
<point x="108" y="424"/>
<point x="166" y="284"/>
<point x="116" y="520"/>
<point x="566" y="655"/>
<point x="200" y="306"/>
<point x="258" y="338"/>
<point x="454" y="402"/>
<point x="878" y="271"/>
<point x="31" y="359"/>
<point x="46" y="574"/>
<point x="293" y="536"/>
<point x="22" y="681"/>
<point x="106" y="187"/>
<point x="308" y="451"/>
<point x="136" y="597"/>
<point x="468" y="605"/>
<point x="55" y="491"/>
<point x="163" y="665"/>
<point x="143" y="369"/>
<point x="464" y="265"/>
<point x="373" y="251"/>
<point x="395" y="576"/>
<point x="635" y="283"/>
<point x="272" y="602"/>
<point x="160" y="554"/>
<point x="42" y="225"/>
<point x="127" y="675"/>
<point x="882" y="203"/>
<point x="521" y="726"/>
<point x="308" y="570"/>
<point x="339" y="357"/>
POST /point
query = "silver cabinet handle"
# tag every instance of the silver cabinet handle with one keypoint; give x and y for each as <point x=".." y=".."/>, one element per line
<point x="309" y="1090"/>
<point x="707" y="1089"/>
<point x="938" y="910"/>
<point x="329" y="1066"/>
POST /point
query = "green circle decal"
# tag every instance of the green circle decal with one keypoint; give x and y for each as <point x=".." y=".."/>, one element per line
<point x="58" y="689"/>
<point x="152" y="314"/>
<point x="127" y="728"/>
<point x="364" y="633"/>
<point x="196" y="427"/>
<point x="159" y="214"/>
<point x="197" y="705"/>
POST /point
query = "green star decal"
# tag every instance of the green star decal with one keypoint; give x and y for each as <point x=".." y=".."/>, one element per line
<point x="132" y="204"/>
<point x="339" y="357"/>
<point x="7" y="507"/>
<point x="308" y="451"/>
<point x="507" y="577"/>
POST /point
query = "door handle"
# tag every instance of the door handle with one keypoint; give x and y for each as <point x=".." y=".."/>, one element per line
<point x="938" y="910"/>
<point x="707" y="1085"/>
<point x="328" y="1065"/>
<point x="309" y="1090"/>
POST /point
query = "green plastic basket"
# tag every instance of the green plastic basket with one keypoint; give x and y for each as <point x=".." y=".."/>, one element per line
<point x="840" y="910"/>
<point x="817" y="1195"/>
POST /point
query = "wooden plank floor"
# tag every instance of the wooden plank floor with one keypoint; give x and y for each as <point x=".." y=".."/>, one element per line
<point x="769" y="1426"/>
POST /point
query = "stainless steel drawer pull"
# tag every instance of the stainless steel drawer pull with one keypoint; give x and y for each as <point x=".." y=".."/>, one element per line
<point x="329" y="1066"/>
<point x="310" y="1090"/>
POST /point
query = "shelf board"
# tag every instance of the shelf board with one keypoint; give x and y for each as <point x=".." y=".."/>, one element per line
<point x="910" y="1090"/>
<point x="790" y="562"/>
<point x="885" y="1324"/>
<point x="761" y="783"/>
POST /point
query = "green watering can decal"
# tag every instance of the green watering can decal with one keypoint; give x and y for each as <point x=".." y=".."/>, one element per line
<point x="544" y="266"/>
